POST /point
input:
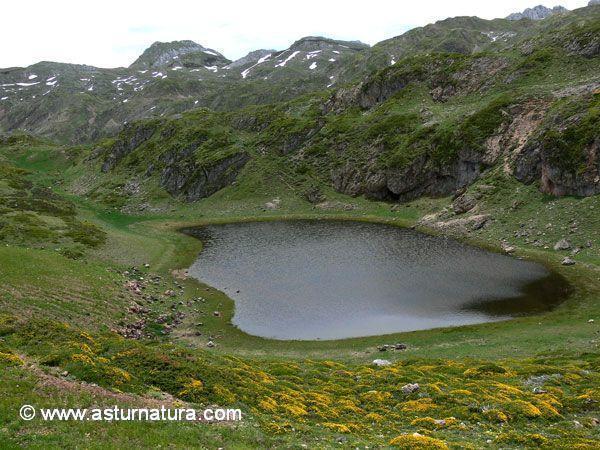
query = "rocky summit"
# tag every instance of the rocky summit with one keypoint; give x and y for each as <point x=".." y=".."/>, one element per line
<point x="178" y="54"/>
<point x="537" y="13"/>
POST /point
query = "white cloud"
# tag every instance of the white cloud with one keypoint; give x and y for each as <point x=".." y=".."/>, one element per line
<point x="113" y="33"/>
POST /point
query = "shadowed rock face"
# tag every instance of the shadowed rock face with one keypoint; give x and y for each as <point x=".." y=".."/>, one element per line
<point x="131" y="138"/>
<point x="193" y="181"/>
<point x="537" y="164"/>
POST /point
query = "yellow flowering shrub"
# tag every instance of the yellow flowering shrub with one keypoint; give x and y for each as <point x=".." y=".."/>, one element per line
<point x="268" y="404"/>
<point x="337" y="427"/>
<point x="374" y="417"/>
<point x="10" y="359"/>
<point x="418" y="442"/>
<point x="495" y="415"/>
<point x="375" y="396"/>
<point x="347" y="405"/>
<point x="85" y="359"/>
<point x="461" y="392"/>
<point x="524" y="408"/>
<point x="506" y="388"/>
<point x="295" y="410"/>
<point x="547" y="409"/>
<point x="224" y="394"/>
<point x="430" y="423"/>
<point x="421" y="405"/>
<point x="117" y="375"/>
<point x="192" y="389"/>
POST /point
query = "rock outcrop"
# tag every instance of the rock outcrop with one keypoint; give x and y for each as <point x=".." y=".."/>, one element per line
<point x="131" y="138"/>
<point x="165" y="54"/>
<point x="539" y="12"/>
<point x="194" y="181"/>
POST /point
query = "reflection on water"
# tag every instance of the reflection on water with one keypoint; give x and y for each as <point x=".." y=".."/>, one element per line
<point x="334" y="279"/>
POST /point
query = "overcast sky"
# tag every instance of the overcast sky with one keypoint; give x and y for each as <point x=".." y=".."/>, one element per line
<point x="111" y="33"/>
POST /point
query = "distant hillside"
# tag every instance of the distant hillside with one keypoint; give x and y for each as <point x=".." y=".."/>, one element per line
<point x="79" y="104"/>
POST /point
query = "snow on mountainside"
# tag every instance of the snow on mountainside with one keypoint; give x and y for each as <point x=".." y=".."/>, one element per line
<point x="178" y="53"/>
<point x="80" y="103"/>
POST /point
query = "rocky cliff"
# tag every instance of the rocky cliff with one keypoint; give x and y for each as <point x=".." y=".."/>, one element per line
<point x="539" y="12"/>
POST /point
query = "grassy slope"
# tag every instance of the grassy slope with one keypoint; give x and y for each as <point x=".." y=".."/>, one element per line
<point x="91" y="296"/>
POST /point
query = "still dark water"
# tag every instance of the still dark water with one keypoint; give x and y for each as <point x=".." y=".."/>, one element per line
<point x="333" y="279"/>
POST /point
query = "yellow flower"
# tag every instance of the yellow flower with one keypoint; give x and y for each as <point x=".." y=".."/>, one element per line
<point x="295" y="410"/>
<point x="268" y="404"/>
<point x="85" y="359"/>
<point x="431" y="423"/>
<point x="495" y="415"/>
<point x="421" y="405"/>
<point x="192" y="388"/>
<point x="376" y="396"/>
<point x="526" y="409"/>
<point x="338" y="427"/>
<point x="417" y="442"/>
<point x="10" y="359"/>
<point x="374" y="417"/>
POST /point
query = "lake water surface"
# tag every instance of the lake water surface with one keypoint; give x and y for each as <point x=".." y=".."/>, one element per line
<point x="334" y="279"/>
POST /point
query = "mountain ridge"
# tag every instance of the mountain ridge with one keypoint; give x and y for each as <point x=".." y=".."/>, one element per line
<point x="169" y="78"/>
<point x="539" y="12"/>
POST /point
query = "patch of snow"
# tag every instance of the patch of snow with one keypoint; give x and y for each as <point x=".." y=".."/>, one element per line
<point x="210" y="53"/>
<point x="313" y="66"/>
<point x="4" y="98"/>
<point x="495" y="36"/>
<point x="142" y="71"/>
<point x="126" y="100"/>
<point x="196" y="102"/>
<point x="27" y="84"/>
<point x="331" y="60"/>
<point x="32" y="76"/>
<point x="283" y="63"/>
<point x="91" y="88"/>
<point x="177" y="68"/>
<point x="51" y="83"/>
<point x="336" y="52"/>
<point x="260" y="61"/>
<point x="392" y="62"/>
<point x="212" y="68"/>
<point x="8" y="84"/>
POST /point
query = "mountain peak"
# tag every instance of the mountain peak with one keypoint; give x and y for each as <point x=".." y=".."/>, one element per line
<point x="537" y="13"/>
<point x="251" y="58"/>
<point x="312" y="43"/>
<point x="187" y="53"/>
